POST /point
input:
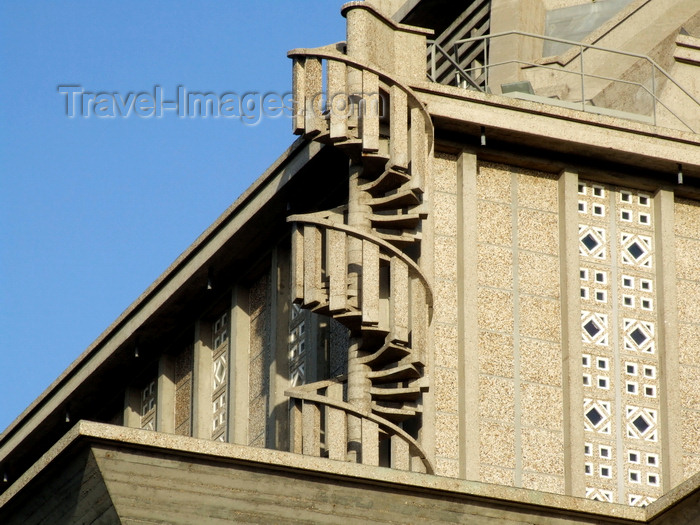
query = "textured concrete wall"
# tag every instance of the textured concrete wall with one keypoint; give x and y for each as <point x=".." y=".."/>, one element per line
<point x="70" y="491"/>
<point x="519" y="322"/>
<point x="445" y="320"/>
<point x="184" y="362"/>
<point x="259" y="359"/>
<point x="687" y="223"/>
<point x="143" y="485"/>
<point x="517" y="423"/>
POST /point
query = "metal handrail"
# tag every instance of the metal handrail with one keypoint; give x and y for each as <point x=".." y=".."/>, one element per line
<point x="600" y="77"/>
<point x="454" y="64"/>
<point x="433" y="47"/>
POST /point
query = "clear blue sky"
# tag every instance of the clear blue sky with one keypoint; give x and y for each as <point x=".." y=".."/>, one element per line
<point x="92" y="210"/>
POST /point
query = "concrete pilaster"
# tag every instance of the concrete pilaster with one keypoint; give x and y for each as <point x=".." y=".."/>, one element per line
<point x="468" y="352"/>
<point x="132" y="407"/>
<point x="572" y="369"/>
<point x="667" y="294"/>
<point x="358" y="382"/>
<point x="278" y="416"/>
<point x="202" y="411"/>
<point x="165" y="413"/>
<point x="239" y="366"/>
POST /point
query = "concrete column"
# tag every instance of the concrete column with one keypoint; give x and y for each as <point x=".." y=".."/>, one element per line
<point x="165" y="413"/>
<point x="358" y="382"/>
<point x="132" y="407"/>
<point x="239" y="366"/>
<point x="572" y="369"/>
<point x="278" y="416"/>
<point x="373" y="37"/>
<point x="667" y="297"/>
<point x="514" y="15"/>
<point x="468" y="329"/>
<point x="202" y="411"/>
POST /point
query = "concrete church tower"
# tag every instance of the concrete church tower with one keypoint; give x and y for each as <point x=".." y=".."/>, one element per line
<point x="469" y="291"/>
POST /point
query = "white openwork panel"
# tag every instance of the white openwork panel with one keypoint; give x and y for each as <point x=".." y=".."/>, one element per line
<point x="599" y="494"/>
<point x="220" y="331"/>
<point x="592" y="242"/>
<point x="219" y="371"/>
<point x="298" y="344"/>
<point x="149" y="405"/>
<point x="220" y="376"/>
<point x="619" y="344"/>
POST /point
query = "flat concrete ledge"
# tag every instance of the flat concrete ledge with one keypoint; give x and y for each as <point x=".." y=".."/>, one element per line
<point x="549" y="508"/>
<point x="564" y="130"/>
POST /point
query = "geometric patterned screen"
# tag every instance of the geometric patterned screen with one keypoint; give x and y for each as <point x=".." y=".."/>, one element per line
<point x="220" y="386"/>
<point x="298" y="325"/>
<point x="148" y="406"/>
<point x="619" y="344"/>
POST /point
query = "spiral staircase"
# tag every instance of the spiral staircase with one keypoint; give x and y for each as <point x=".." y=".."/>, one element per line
<point x="360" y="263"/>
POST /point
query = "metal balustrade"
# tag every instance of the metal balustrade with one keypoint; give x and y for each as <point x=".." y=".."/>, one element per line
<point x="641" y="91"/>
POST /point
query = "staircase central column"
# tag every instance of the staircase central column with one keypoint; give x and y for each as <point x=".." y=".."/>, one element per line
<point x="358" y="381"/>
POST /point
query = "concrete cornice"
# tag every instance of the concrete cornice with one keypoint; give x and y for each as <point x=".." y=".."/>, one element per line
<point x="563" y="129"/>
<point x="265" y="459"/>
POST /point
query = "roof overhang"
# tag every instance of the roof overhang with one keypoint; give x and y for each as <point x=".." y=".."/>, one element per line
<point x="234" y="234"/>
<point x="136" y="470"/>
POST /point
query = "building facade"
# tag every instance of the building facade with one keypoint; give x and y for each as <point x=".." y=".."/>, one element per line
<point x="468" y="292"/>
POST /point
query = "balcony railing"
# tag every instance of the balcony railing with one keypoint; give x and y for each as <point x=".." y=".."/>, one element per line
<point x="588" y="78"/>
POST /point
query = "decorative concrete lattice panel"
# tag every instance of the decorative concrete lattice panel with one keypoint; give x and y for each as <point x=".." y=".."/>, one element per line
<point x="298" y="328"/>
<point x="619" y="344"/>
<point x="221" y="331"/>
<point x="149" y="397"/>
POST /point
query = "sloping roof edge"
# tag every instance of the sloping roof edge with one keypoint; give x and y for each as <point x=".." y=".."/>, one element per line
<point x="284" y="166"/>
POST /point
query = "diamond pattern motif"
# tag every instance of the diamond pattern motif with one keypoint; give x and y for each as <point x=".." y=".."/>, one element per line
<point x="639" y="336"/>
<point x="599" y="494"/>
<point x="591" y="328"/>
<point x="595" y="328"/>
<point x="594" y="416"/>
<point x="636" y="250"/>
<point x="219" y="377"/>
<point x="592" y="242"/>
<point x="641" y="423"/>
<point x="597" y="414"/>
<point x="219" y="369"/>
